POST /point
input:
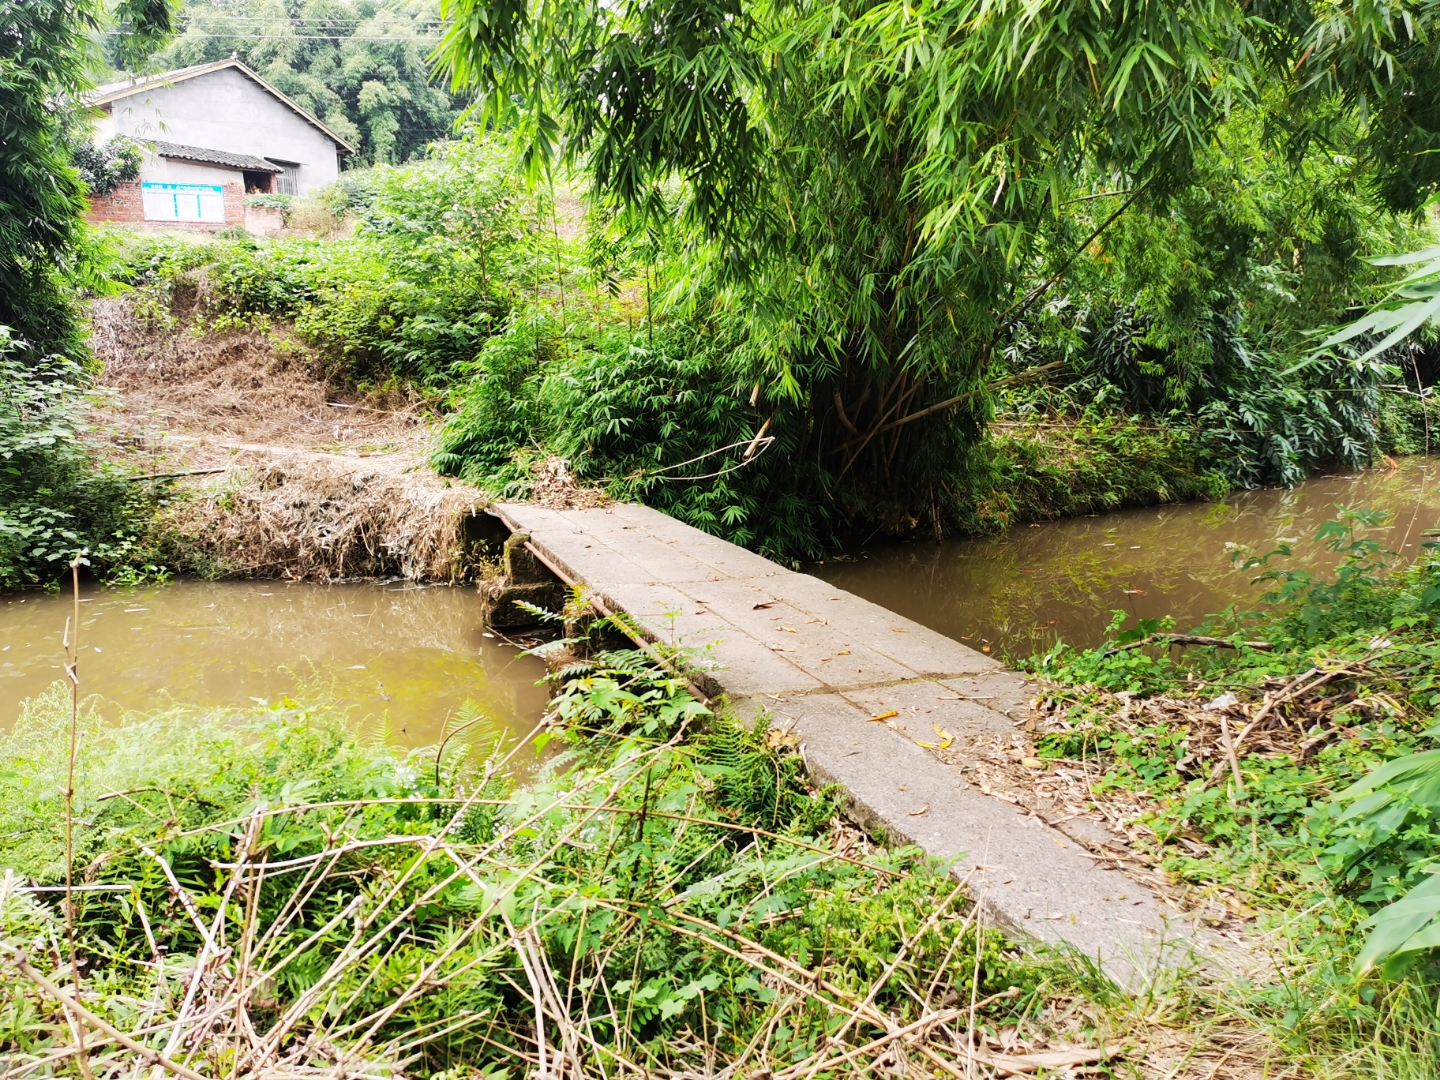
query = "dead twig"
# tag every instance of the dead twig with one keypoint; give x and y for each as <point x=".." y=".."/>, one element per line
<point x="85" y="1016"/>
<point x="1189" y="639"/>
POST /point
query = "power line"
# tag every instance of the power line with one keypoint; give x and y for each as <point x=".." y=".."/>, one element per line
<point x="304" y="37"/>
<point x="303" y="22"/>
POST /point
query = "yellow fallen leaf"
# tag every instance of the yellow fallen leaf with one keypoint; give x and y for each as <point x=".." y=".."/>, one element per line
<point x="788" y="629"/>
<point x="945" y="737"/>
<point x="1032" y="763"/>
<point x="843" y="652"/>
<point x="884" y="715"/>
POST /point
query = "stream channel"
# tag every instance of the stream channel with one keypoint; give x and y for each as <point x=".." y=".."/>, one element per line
<point x="405" y="658"/>
<point x="402" y="658"/>
<point x="1020" y="592"/>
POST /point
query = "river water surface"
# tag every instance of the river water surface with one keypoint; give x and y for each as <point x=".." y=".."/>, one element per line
<point x="401" y="658"/>
<point x="1020" y="592"/>
<point x="404" y="659"/>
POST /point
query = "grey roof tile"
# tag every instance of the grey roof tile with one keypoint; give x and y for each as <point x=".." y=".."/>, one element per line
<point x="247" y="162"/>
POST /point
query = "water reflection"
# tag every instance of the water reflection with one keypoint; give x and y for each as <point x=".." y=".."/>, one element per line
<point x="403" y="658"/>
<point x="1020" y="592"/>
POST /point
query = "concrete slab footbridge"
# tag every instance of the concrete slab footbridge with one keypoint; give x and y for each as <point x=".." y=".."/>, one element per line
<point x="826" y="664"/>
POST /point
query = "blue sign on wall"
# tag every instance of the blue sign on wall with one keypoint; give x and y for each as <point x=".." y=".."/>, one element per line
<point x="183" y="202"/>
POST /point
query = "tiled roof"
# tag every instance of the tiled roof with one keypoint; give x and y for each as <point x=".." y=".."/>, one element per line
<point x="213" y="157"/>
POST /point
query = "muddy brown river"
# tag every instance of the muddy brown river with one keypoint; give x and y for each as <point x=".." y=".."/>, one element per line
<point x="1020" y="592"/>
<point x="404" y="659"/>
<point x="401" y="658"/>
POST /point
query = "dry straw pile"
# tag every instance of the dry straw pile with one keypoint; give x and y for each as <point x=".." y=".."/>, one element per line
<point x="314" y="517"/>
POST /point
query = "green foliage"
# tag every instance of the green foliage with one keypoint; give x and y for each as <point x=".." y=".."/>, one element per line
<point x="1362" y="807"/>
<point x="359" y="66"/>
<point x="42" y="57"/>
<point x="662" y="872"/>
<point x="440" y="252"/>
<point x="1077" y="464"/>
<point x="46" y="252"/>
<point x="881" y="191"/>
<point x="274" y="202"/>
<point x="212" y="764"/>
<point x="1389" y="829"/>
<point x="1201" y="309"/>
<point x="1313" y="609"/>
<point x="660" y="415"/>
<point x="105" y="167"/>
<point x="55" y="498"/>
<point x="141" y="28"/>
<point x="1413" y="304"/>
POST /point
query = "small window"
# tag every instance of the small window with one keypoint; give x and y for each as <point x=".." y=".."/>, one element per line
<point x="287" y="181"/>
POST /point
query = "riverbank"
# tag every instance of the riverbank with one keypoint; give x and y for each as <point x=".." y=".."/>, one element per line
<point x="276" y="468"/>
<point x="668" y="895"/>
<point x="271" y="469"/>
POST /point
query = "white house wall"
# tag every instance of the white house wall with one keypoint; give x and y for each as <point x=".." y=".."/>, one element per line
<point x="223" y="110"/>
<point x="102" y="128"/>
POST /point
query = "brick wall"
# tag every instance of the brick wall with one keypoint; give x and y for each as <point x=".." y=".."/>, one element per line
<point x="235" y="204"/>
<point x="124" y="205"/>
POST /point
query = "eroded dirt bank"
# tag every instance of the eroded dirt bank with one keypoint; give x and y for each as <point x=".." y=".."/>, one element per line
<point x="285" y="474"/>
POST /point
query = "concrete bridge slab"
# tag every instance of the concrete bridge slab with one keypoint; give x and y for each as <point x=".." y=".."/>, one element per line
<point x="828" y="666"/>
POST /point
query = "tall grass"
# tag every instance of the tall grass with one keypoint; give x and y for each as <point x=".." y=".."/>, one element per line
<point x="263" y="895"/>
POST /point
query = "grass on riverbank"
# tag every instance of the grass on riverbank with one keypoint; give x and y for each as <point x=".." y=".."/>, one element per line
<point x="1289" y="783"/>
<point x="261" y="894"/>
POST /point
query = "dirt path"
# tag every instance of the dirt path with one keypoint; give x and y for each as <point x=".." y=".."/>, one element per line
<point x="259" y="387"/>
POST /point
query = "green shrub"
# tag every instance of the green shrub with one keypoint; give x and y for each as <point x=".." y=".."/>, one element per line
<point x="272" y="202"/>
<point x="1095" y="461"/>
<point x="441" y="251"/>
<point x="56" y="497"/>
<point x="660" y="415"/>
<point x="104" y="167"/>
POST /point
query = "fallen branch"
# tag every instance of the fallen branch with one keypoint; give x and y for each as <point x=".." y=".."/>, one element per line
<point x="1292" y="689"/>
<point x="1231" y="755"/>
<point x="174" y="475"/>
<point x="85" y="1016"/>
<point x="1190" y="639"/>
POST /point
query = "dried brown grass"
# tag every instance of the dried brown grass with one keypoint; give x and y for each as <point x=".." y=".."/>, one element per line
<point x="310" y="517"/>
<point x="257" y="383"/>
<point x="555" y="486"/>
<point x="317" y="484"/>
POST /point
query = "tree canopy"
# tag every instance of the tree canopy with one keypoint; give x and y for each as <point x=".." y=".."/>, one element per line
<point x="46" y="56"/>
<point x="359" y="65"/>
<point x="887" y="188"/>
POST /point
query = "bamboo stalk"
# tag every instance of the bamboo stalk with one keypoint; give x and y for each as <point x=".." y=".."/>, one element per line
<point x="85" y="1016"/>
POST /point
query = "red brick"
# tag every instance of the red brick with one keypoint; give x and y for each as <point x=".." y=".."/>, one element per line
<point x="124" y="206"/>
